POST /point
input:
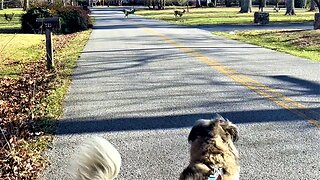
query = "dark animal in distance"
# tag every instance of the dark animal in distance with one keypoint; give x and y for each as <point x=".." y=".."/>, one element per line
<point x="127" y="12"/>
<point x="179" y="13"/>
<point x="276" y="9"/>
<point x="8" y="17"/>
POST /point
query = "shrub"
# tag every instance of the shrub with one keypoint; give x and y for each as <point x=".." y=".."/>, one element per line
<point x="73" y="19"/>
<point x="28" y="20"/>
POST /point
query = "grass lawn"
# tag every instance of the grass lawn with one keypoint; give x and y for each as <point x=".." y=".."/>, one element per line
<point x="221" y="15"/>
<point x="19" y="49"/>
<point x="301" y="43"/>
<point x="17" y="53"/>
<point x="15" y="23"/>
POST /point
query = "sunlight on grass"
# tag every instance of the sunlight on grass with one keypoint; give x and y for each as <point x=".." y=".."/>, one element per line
<point x="207" y="16"/>
<point x="65" y="61"/>
<point x="305" y="44"/>
<point x="18" y="49"/>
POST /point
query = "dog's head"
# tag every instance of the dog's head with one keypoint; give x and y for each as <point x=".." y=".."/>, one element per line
<point x="211" y="146"/>
<point x="204" y="128"/>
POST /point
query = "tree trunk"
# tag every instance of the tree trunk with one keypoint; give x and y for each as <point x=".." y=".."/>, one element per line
<point x="25" y="5"/>
<point x="162" y="4"/>
<point x="208" y="2"/>
<point x="1" y="7"/>
<point x="312" y="6"/>
<point x="198" y="3"/>
<point x="187" y="5"/>
<point x="246" y="6"/>
<point x="290" y="8"/>
<point x="262" y="4"/>
<point x="228" y="3"/>
<point x="305" y="4"/>
<point x="153" y="4"/>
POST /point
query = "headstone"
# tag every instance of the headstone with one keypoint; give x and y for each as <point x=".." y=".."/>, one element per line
<point x="261" y="18"/>
<point x="316" y="24"/>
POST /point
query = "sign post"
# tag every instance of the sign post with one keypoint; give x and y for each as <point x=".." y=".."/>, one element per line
<point x="49" y="24"/>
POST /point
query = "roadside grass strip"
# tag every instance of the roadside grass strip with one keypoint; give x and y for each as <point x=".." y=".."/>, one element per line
<point x="271" y="94"/>
<point x="301" y="43"/>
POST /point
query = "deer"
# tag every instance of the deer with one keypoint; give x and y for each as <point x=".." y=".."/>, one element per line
<point x="179" y="13"/>
<point x="8" y="17"/>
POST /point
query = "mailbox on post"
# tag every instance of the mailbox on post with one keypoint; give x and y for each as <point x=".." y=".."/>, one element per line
<point x="49" y="24"/>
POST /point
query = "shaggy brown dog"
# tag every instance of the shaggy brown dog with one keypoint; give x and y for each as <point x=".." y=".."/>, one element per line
<point x="213" y="154"/>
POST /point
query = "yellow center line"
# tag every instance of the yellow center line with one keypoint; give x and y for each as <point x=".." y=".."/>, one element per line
<point x="248" y="82"/>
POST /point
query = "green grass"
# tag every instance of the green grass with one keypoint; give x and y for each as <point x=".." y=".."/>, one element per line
<point x="305" y="44"/>
<point x="65" y="61"/>
<point x="207" y="16"/>
<point x="17" y="50"/>
<point x="15" y="24"/>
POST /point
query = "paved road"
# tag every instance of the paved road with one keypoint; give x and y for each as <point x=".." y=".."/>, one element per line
<point x="141" y="84"/>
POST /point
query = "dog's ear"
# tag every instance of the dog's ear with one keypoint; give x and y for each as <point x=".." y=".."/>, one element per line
<point x="200" y="129"/>
<point x="233" y="131"/>
<point x="218" y="117"/>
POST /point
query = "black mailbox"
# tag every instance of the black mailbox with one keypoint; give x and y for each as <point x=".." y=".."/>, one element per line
<point x="50" y="22"/>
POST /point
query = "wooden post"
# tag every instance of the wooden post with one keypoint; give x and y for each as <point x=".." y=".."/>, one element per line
<point x="50" y="24"/>
<point x="49" y="49"/>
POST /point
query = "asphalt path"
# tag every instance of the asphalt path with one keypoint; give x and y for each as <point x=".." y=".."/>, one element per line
<point x="142" y="83"/>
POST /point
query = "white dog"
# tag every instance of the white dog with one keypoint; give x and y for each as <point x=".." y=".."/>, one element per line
<point x="98" y="160"/>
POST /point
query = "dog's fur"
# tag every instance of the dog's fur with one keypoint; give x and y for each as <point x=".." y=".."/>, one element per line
<point x="179" y="13"/>
<point x="127" y="12"/>
<point x="212" y="146"/>
<point x="98" y="159"/>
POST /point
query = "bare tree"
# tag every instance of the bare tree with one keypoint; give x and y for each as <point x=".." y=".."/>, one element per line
<point x="198" y="3"/>
<point x="1" y="7"/>
<point x="290" y="8"/>
<point x="262" y="4"/>
<point x="25" y="5"/>
<point x="246" y="6"/>
<point x="312" y="6"/>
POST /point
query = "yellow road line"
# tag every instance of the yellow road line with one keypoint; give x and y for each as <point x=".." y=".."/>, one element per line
<point x="263" y="90"/>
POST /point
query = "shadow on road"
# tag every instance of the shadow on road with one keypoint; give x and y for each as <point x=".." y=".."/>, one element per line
<point x="99" y="124"/>
<point x="310" y="88"/>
